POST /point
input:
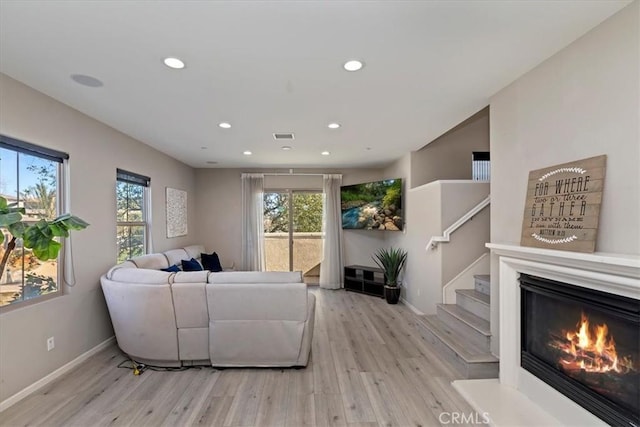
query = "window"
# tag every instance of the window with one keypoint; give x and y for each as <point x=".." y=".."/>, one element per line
<point x="132" y="218"/>
<point x="295" y="247"/>
<point x="30" y="177"/>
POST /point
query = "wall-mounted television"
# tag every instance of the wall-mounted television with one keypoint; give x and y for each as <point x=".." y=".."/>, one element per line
<point x="372" y="205"/>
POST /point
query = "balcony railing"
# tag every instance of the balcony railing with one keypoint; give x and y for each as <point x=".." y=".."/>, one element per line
<point x="307" y="251"/>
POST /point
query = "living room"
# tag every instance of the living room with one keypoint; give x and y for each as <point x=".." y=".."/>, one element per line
<point x="575" y="98"/>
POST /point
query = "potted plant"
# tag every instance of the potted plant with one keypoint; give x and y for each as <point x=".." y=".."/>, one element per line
<point x="40" y="237"/>
<point x="391" y="261"/>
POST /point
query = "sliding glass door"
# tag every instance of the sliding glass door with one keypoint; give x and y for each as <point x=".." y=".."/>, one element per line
<point x="293" y="231"/>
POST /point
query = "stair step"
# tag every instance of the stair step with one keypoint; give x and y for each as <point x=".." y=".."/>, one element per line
<point x="468" y="358"/>
<point x="482" y="283"/>
<point x="476" y="323"/>
<point x="473" y="328"/>
<point x="475" y="302"/>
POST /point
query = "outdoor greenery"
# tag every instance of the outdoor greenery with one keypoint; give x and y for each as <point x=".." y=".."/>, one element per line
<point x="40" y="198"/>
<point x="307" y="212"/>
<point x="130" y="217"/>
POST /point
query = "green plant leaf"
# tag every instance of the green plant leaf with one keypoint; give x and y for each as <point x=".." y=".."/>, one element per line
<point x="39" y="237"/>
<point x="70" y="222"/>
<point x="58" y="229"/>
<point x="391" y="261"/>
<point x="47" y="251"/>
<point x="9" y="218"/>
<point x="17" y="229"/>
<point x="3" y="203"/>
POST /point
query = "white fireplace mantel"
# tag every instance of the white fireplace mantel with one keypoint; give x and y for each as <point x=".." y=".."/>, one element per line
<point x="532" y="400"/>
<point x="613" y="273"/>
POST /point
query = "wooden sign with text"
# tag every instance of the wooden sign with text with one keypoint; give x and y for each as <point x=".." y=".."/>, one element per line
<point x="563" y="206"/>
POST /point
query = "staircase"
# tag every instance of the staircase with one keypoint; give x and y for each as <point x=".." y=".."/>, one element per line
<point x="461" y="333"/>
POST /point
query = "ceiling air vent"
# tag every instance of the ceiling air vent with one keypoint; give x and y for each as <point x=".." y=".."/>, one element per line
<point x="279" y="136"/>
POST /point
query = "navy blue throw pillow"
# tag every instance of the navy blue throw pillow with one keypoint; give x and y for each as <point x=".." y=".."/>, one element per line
<point x="211" y="262"/>
<point x="191" y="265"/>
<point x="172" y="269"/>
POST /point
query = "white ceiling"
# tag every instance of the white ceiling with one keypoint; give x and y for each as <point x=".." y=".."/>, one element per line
<point x="276" y="66"/>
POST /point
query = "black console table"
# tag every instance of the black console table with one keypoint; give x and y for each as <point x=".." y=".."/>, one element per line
<point x="366" y="280"/>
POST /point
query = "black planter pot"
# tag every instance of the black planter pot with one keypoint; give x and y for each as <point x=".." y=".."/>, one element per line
<point x="392" y="294"/>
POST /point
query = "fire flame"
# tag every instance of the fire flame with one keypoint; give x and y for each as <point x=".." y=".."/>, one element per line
<point x="591" y="349"/>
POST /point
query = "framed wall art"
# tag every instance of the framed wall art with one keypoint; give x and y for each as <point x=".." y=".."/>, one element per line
<point x="176" y="212"/>
<point x="563" y="205"/>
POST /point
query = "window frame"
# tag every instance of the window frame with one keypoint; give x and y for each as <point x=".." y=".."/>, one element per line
<point x="291" y="214"/>
<point x="133" y="178"/>
<point x="61" y="158"/>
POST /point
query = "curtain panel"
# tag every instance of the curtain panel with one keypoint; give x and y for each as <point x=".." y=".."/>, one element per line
<point x="253" y="258"/>
<point x="331" y="266"/>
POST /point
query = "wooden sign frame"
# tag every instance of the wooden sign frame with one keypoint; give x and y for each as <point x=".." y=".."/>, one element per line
<point x="563" y="205"/>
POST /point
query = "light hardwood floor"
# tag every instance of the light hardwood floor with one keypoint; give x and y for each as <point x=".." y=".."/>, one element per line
<point x="369" y="367"/>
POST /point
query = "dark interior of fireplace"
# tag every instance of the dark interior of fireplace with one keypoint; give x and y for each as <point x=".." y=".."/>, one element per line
<point x="584" y="343"/>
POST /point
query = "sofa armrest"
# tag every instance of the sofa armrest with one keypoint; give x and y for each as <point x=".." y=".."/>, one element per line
<point x="143" y="318"/>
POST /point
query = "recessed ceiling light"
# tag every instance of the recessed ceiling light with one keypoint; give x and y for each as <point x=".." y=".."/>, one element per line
<point x="203" y="148"/>
<point x="224" y="125"/>
<point x="333" y="125"/>
<point x="247" y="153"/>
<point x="368" y="148"/>
<point x="286" y="147"/>
<point x="174" y="63"/>
<point x="353" y="65"/>
<point x="325" y="153"/>
<point x="85" y="80"/>
<point x="211" y="162"/>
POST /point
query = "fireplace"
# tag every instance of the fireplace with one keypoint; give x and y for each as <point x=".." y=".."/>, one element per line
<point x="584" y="343"/>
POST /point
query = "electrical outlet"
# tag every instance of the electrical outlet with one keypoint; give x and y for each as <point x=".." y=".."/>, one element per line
<point x="51" y="344"/>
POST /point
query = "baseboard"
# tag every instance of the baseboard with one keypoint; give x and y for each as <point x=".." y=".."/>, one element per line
<point x="415" y="310"/>
<point x="54" y="375"/>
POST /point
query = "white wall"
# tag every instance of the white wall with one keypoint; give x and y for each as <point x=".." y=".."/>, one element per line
<point x="449" y="156"/>
<point x="582" y="102"/>
<point x="79" y="320"/>
<point x="467" y="242"/>
<point x="422" y="279"/>
<point x="433" y="208"/>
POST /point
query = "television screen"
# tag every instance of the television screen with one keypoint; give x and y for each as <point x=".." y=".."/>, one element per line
<point x="372" y="205"/>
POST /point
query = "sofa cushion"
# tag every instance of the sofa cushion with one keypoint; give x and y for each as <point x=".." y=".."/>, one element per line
<point x="255" y="301"/>
<point x="190" y="305"/>
<point x="141" y="276"/>
<point x="151" y="261"/>
<point x="211" y="262"/>
<point x="126" y="264"/>
<point x="191" y="265"/>
<point x="256" y="277"/>
<point x="171" y="269"/>
<point x="174" y="256"/>
<point x="199" y="276"/>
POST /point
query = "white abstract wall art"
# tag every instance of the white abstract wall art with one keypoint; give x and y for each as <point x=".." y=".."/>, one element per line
<point x="176" y="212"/>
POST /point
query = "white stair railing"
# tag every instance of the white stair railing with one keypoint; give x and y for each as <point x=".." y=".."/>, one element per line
<point x="446" y="234"/>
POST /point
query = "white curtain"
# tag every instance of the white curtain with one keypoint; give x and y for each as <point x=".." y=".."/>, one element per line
<point x="331" y="266"/>
<point x="252" y="222"/>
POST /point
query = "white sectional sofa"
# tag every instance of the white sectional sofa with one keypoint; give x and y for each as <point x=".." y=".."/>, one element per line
<point x="200" y="318"/>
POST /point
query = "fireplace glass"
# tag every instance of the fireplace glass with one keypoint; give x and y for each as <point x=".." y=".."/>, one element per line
<point x="585" y="344"/>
